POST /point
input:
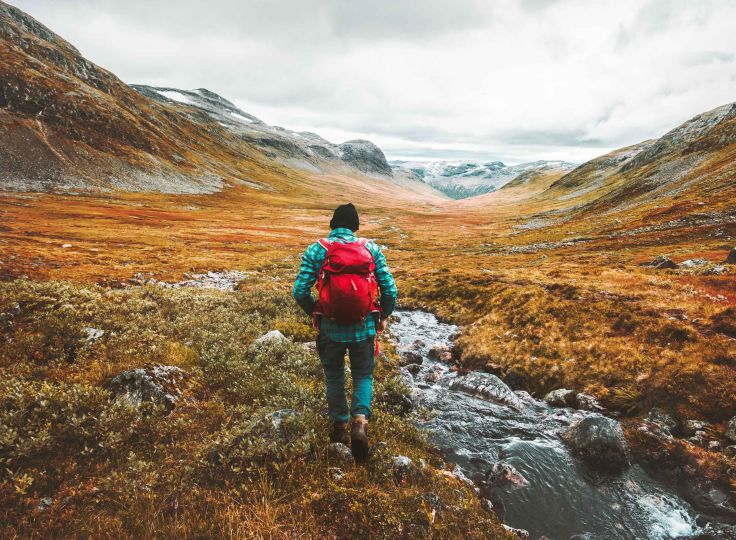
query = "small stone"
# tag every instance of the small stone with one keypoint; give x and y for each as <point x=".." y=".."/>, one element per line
<point x="730" y="451"/>
<point x="714" y="446"/>
<point x="663" y="262"/>
<point x="340" y="454"/>
<point x="336" y="473"/>
<point x="690" y="427"/>
<point x="717" y="270"/>
<point x="731" y="430"/>
<point x="586" y="402"/>
<point x="693" y="263"/>
<point x="44" y="503"/>
<point x="403" y="469"/>
<point x="159" y="384"/>
<point x="273" y="335"/>
<point x="446" y="357"/>
<point x="521" y="533"/>
<point x="503" y="473"/>
<point x="663" y="420"/>
<point x="93" y="334"/>
<point x="562" y="397"/>
<point x="66" y="246"/>
<point x="486" y="505"/>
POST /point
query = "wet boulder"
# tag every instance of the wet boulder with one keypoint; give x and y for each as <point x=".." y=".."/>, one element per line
<point x="158" y="384"/>
<point x="406" y="376"/>
<point x="437" y="350"/>
<point x="487" y="387"/>
<point x="599" y="441"/>
<point x="562" y="397"/>
<point x="586" y="402"/>
<point x="410" y="356"/>
<point x="503" y="474"/>
<point x="434" y="374"/>
<point x="519" y="533"/>
<point x="414" y="369"/>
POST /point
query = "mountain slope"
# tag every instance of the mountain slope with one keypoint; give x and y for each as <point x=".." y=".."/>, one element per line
<point x="695" y="160"/>
<point x="67" y="124"/>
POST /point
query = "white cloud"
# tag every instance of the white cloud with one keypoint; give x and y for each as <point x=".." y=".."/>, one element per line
<point x="511" y="79"/>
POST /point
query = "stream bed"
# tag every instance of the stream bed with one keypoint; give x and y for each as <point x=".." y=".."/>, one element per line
<point x="558" y="496"/>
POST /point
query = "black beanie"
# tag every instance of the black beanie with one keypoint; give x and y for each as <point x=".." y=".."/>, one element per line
<point x="345" y="216"/>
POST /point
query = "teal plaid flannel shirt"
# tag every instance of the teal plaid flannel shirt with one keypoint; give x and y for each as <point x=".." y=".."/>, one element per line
<point x="312" y="261"/>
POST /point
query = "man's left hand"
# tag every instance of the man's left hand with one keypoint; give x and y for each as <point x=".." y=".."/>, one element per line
<point x="382" y="326"/>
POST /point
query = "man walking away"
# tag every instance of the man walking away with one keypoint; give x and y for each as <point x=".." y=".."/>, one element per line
<point x="349" y="273"/>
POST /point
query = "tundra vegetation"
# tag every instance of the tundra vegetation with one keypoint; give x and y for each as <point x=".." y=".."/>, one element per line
<point x="79" y="459"/>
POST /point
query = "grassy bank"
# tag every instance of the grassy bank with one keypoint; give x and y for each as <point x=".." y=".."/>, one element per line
<point x="75" y="461"/>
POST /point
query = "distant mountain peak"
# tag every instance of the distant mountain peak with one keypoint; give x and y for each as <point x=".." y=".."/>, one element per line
<point x="460" y="179"/>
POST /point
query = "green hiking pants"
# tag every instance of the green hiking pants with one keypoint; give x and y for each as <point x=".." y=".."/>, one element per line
<point x="362" y="364"/>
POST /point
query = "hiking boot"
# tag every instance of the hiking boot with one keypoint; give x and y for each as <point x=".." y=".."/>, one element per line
<point x="359" y="438"/>
<point x="340" y="433"/>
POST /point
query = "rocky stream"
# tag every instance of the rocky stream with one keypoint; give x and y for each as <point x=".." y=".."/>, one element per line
<point x="562" y="473"/>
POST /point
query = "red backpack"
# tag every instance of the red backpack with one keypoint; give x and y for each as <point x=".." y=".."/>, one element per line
<point x="347" y="286"/>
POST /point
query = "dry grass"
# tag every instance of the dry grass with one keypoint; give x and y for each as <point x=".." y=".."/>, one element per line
<point x="215" y="466"/>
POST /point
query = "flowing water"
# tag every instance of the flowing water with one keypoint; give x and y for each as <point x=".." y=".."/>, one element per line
<point x="562" y="497"/>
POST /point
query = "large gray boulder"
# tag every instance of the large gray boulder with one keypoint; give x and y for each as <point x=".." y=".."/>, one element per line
<point x="599" y="441"/>
<point x="487" y="387"/>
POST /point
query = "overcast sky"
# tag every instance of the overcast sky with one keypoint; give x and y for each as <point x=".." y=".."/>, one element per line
<point x="515" y="80"/>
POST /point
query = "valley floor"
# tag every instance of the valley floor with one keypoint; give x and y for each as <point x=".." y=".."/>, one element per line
<point x="544" y="307"/>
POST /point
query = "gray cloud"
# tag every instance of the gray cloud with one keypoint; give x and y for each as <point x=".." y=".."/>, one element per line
<point x="518" y="79"/>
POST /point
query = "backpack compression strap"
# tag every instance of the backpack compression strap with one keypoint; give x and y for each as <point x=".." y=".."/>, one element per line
<point x="324" y="242"/>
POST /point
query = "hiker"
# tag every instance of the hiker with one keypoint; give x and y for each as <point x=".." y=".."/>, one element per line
<point x="349" y="272"/>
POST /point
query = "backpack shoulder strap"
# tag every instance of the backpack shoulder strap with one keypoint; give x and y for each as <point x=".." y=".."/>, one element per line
<point x="325" y="243"/>
<point x="364" y="241"/>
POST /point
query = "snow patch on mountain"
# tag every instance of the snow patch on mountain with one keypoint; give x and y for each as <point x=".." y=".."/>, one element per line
<point x="302" y="149"/>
